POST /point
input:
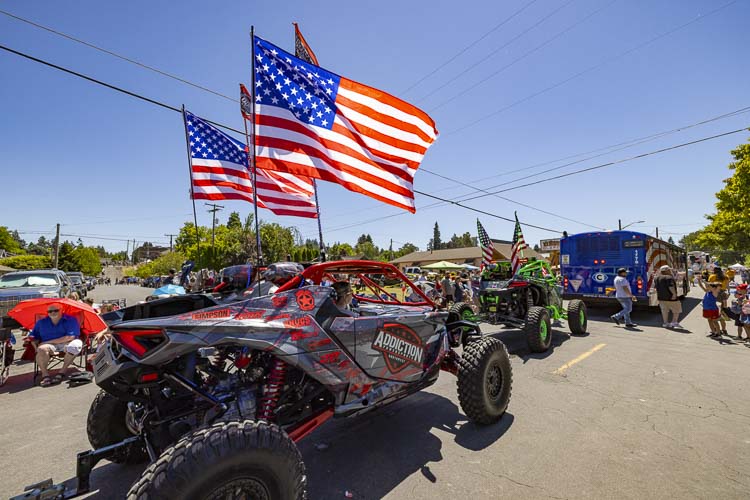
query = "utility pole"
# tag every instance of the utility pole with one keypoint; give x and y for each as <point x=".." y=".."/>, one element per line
<point x="214" y="208"/>
<point x="127" y="249"/>
<point x="657" y="233"/>
<point x="619" y="224"/>
<point x="390" y="249"/>
<point x="170" y="240"/>
<point x="57" y="245"/>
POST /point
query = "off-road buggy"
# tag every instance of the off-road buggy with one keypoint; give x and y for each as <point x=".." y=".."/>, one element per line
<point x="529" y="300"/>
<point x="216" y="398"/>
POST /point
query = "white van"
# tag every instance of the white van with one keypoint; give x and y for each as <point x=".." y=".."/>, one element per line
<point x="413" y="270"/>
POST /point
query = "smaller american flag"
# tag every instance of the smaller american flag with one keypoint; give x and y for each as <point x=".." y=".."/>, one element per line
<point x="519" y="244"/>
<point x="488" y="249"/>
<point x="302" y="49"/>
<point x="219" y="172"/>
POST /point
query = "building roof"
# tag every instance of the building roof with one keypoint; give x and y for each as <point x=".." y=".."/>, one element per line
<point x="502" y="252"/>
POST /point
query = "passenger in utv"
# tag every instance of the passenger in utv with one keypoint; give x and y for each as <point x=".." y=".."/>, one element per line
<point x="344" y="295"/>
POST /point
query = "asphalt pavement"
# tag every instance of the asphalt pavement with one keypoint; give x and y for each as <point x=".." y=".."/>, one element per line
<point x="645" y="413"/>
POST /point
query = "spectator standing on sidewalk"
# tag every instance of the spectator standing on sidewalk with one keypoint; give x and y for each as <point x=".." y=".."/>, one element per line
<point x="711" y="306"/>
<point x="666" y="292"/>
<point x="718" y="276"/>
<point x="625" y="297"/>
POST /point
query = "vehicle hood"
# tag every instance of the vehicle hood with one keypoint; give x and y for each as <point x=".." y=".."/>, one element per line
<point x="33" y="291"/>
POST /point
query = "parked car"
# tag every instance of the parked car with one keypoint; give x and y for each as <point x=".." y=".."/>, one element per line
<point x="24" y="285"/>
<point x="77" y="282"/>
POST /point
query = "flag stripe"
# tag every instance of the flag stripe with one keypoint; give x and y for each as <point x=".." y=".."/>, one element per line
<point x="383" y="99"/>
<point x="382" y="123"/>
<point x="334" y="159"/>
<point x="334" y="176"/>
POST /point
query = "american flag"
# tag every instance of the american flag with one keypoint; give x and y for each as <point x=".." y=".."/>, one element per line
<point x="219" y="172"/>
<point x="516" y="250"/>
<point x="315" y="123"/>
<point x="488" y="249"/>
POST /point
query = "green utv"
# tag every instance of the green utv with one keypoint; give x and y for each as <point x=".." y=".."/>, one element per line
<point x="529" y="300"/>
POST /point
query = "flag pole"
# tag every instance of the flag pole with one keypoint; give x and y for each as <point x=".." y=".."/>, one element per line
<point x="320" y="227"/>
<point x="192" y="191"/>
<point x="252" y="148"/>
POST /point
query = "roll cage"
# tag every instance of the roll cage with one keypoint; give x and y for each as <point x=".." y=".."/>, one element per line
<point x="367" y="272"/>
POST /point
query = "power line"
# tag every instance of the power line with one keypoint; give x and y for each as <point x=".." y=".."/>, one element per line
<point x="524" y="56"/>
<point x="505" y="45"/>
<point x="472" y="44"/>
<point x="110" y="86"/>
<point x="611" y="163"/>
<point x="119" y="56"/>
<point x="588" y="70"/>
<point x="603" y="165"/>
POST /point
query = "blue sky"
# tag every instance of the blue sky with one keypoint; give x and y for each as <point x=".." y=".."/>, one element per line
<point x="102" y="163"/>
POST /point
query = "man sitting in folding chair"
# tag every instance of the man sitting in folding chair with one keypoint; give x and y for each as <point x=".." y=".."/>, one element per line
<point x="56" y="334"/>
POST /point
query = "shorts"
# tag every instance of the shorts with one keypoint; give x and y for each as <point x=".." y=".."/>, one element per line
<point x="673" y="306"/>
<point x="711" y="313"/>
<point x="723" y="296"/>
<point x="73" y="347"/>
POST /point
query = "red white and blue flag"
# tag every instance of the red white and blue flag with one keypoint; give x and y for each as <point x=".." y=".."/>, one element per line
<point x="219" y="172"/>
<point x="485" y="243"/>
<point x="315" y="123"/>
<point x="517" y="248"/>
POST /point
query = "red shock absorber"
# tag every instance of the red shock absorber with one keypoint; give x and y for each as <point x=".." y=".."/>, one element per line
<point x="272" y="391"/>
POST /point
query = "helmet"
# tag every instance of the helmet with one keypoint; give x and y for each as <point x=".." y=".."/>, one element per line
<point x="281" y="272"/>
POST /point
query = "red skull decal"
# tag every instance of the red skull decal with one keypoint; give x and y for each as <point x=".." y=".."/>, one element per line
<point x="305" y="300"/>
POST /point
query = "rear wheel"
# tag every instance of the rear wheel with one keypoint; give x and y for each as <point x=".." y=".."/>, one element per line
<point x="461" y="311"/>
<point x="107" y="424"/>
<point x="229" y="460"/>
<point x="538" y="329"/>
<point x="577" y="317"/>
<point x="484" y="380"/>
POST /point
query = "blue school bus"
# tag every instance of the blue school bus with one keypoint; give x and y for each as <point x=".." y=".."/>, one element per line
<point x="589" y="263"/>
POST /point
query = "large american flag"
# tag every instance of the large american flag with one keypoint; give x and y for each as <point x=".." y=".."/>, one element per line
<point x="516" y="250"/>
<point x="315" y="123"/>
<point x="219" y="172"/>
<point x="488" y="249"/>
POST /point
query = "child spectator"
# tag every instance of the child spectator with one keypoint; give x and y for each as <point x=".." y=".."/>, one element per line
<point x="711" y="306"/>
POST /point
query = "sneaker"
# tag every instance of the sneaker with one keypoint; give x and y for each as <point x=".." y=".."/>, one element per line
<point x="677" y="325"/>
<point x="724" y="332"/>
<point x="630" y="325"/>
<point x="615" y="319"/>
<point x="666" y="325"/>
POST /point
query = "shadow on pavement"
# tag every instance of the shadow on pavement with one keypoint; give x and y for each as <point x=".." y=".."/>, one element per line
<point x="368" y="456"/>
<point x="371" y="455"/>
<point x="515" y="342"/>
<point x="17" y="382"/>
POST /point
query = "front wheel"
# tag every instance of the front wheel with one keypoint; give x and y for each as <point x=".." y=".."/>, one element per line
<point x="538" y="329"/>
<point x="484" y="380"/>
<point x="228" y="460"/>
<point x="577" y="317"/>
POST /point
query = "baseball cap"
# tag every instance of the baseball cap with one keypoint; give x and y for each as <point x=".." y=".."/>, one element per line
<point x="742" y="286"/>
<point x="664" y="268"/>
<point x="621" y="270"/>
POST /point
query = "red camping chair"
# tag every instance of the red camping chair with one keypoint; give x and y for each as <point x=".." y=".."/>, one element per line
<point x="56" y="360"/>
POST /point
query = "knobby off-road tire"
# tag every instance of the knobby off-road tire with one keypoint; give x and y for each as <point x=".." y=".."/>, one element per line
<point x="106" y="425"/>
<point x="538" y="329"/>
<point x="484" y="380"/>
<point x="461" y="310"/>
<point x="247" y="459"/>
<point x="578" y="319"/>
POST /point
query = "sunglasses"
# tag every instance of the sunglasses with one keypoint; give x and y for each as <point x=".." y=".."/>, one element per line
<point x="50" y="311"/>
<point x="713" y="286"/>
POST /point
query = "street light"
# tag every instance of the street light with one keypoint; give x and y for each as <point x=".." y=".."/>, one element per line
<point x="619" y="222"/>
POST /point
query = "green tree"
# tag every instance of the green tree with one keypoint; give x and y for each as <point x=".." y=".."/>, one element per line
<point x="670" y="240"/>
<point x="729" y="228"/>
<point x="367" y="248"/>
<point x="276" y="242"/>
<point x="87" y="261"/>
<point x="406" y="249"/>
<point x="41" y="247"/>
<point x="22" y="262"/>
<point x="339" y="250"/>
<point x="66" y="258"/>
<point x="435" y="242"/>
<point x="161" y="265"/>
<point x="8" y="241"/>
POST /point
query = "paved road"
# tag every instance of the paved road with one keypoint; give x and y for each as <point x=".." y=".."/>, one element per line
<point x="648" y="413"/>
